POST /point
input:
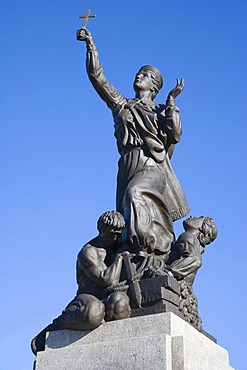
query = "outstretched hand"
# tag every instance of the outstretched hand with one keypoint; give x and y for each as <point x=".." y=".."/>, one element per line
<point x="178" y="89"/>
<point x="84" y="35"/>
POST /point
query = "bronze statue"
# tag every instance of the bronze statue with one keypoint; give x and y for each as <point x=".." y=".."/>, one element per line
<point x="100" y="296"/>
<point x="98" y="271"/>
<point x="199" y="232"/>
<point x="185" y="257"/>
<point x="148" y="192"/>
<point x="135" y="266"/>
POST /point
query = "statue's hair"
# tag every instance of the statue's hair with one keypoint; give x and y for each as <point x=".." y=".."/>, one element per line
<point x="110" y="218"/>
<point x="156" y="76"/>
<point x="208" y="231"/>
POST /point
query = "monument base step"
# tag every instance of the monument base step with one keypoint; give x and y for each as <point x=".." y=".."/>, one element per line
<point x="162" y="341"/>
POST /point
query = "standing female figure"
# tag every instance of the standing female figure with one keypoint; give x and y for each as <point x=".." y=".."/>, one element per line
<point x="148" y="192"/>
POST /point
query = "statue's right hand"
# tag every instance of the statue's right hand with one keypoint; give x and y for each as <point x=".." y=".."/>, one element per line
<point x="84" y="35"/>
<point x="177" y="89"/>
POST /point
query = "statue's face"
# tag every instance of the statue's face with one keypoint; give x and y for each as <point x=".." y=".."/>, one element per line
<point x="143" y="81"/>
<point x="193" y="223"/>
<point x="111" y="235"/>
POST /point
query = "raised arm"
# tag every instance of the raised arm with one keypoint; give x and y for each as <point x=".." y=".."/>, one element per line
<point x="173" y="127"/>
<point x="104" y="88"/>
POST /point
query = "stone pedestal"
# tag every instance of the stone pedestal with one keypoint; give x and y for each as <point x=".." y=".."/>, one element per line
<point x="154" y="342"/>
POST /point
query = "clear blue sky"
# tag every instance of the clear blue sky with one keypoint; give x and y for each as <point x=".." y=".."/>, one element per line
<point x="59" y="157"/>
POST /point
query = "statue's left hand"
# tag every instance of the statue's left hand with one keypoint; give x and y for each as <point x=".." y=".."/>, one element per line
<point x="178" y="89"/>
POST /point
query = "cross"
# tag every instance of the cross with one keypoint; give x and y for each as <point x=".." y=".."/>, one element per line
<point x="87" y="16"/>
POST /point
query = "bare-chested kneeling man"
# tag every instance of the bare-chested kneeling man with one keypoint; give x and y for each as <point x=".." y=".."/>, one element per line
<point x="98" y="269"/>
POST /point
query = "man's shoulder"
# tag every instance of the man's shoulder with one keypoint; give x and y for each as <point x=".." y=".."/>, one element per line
<point x="90" y="249"/>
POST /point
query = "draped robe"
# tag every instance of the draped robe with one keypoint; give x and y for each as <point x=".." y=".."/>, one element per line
<point x="149" y="194"/>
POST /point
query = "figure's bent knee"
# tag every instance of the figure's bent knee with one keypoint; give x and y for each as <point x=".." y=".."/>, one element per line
<point x="117" y="306"/>
<point x="94" y="313"/>
<point x="122" y="307"/>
